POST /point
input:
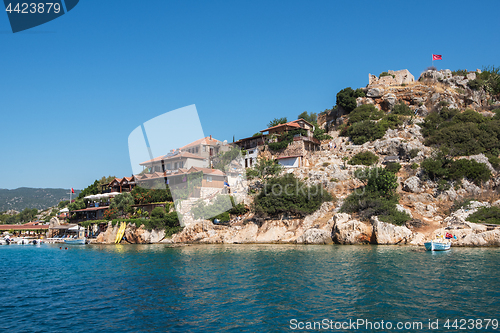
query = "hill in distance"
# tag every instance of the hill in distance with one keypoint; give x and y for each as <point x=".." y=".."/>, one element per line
<point x="39" y="198"/>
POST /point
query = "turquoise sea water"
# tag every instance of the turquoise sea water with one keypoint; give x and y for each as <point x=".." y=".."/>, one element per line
<point x="243" y="288"/>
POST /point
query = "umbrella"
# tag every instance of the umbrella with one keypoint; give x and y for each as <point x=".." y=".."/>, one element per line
<point x="64" y="210"/>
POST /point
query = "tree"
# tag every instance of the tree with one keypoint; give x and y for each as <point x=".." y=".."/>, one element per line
<point x="277" y="121"/>
<point x="122" y="203"/>
<point x="90" y="190"/>
<point x="311" y="117"/>
<point x="346" y="98"/>
<point x="265" y="168"/>
<point x="289" y="195"/>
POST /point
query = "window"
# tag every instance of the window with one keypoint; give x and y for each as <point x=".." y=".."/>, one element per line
<point x="204" y="149"/>
<point x="169" y="166"/>
<point x="209" y="178"/>
<point x="197" y="149"/>
<point x="181" y="164"/>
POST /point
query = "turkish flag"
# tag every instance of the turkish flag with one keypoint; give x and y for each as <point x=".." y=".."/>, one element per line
<point x="72" y="191"/>
<point x="437" y="57"/>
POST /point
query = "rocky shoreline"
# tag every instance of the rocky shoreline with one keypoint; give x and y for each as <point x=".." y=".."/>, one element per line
<point x="326" y="226"/>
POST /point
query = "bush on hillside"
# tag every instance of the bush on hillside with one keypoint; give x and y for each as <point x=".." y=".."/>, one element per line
<point x="393" y="167"/>
<point x="466" y="133"/>
<point x="391" y="121"/>
<point x="289" y="195"/>
<point x="346" y="98"/>
<point x="365" y="112"/>
<point x="365" y="131"/>
<point x="488" y="80"/>
<point x="386" y="74"/>
<point x="442" y="167"/>
<point x="486" y="215"/>
<point x="402" y="109"/>
<point x="364" y="158"/>
<point x="377" y="198"/>
<point x="158" y="213"/>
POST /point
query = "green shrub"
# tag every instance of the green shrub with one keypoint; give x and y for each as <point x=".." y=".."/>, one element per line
<point x="346" y="98"/>
<point x="378" y="197"/>
<point x="414" y="166"/>
<point x="391" y="121"/>
<point x="486" y="215"/>
<point x="368" y="204"/>
<point x="449" y="170"/>
<point x="466" y="133"/>
<point x="289" y="195"/>
<point x="325" y="164"/>
<point x="364" y="158"/>
<point x="459" y="72"/>
<point x="158" y="213"/>
<point x="365" y="131"/>
<point x="393" y="167"/>
<point x="443" y="185"/>
<point x="365" y="112"/>
<point x="488" y="80"/>
<point x="386" y="74"/>
<point x="382" y="181"/>
<point x="414" y="152"/>
<point x="402" y="109"/>
<point x="494" y="160"/>
<point x="319" y="134"/>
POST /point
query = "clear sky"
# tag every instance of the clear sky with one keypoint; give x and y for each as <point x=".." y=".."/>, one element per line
<point x="73" y="89"/>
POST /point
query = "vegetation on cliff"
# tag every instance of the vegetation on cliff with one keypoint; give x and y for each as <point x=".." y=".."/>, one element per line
<point x="489" y="215"/>
<point x="289" y="195"/>
<point x="377" y="198"/>
<point x="442" y="167"/>
<point x="462" y="133"/>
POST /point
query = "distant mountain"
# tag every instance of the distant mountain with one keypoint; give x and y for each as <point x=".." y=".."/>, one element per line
<point x="39" y="198"/>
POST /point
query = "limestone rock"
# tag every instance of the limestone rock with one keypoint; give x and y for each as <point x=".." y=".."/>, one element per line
<point x="390" y="100"/>
<point x="54" y="222"/>
<point x="418" y="238"/>
<point x="388" y="234"/>
<point x="347" y="231"/>
<point x="375" y="92"/>
<point x="403" y="210"/>
<point x="315" y="236"/>
<point x="412" y="185"/>
<point x="109" y="236"/>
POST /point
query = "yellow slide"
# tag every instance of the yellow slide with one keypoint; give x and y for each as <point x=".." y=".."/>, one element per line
<point x="120" y="233"/>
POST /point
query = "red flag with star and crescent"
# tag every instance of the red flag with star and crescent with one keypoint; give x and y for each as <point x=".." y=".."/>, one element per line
<point x="72" y="191"/>
<point x="437" y="57"/>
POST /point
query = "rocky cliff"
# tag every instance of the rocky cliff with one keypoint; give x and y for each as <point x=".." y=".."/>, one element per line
<point x="424" y="200"/>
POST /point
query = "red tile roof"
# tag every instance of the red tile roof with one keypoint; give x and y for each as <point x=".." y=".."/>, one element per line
<point x="289" y="124"/>
<point x="207" y="141"/>
<point x="182" y="154"/>
<point x="24" y="227"/>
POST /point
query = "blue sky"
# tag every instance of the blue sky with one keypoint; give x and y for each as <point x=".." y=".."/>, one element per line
<point x="72" y="90"/>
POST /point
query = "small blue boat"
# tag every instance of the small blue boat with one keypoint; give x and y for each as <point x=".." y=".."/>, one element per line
<point x="438" y="245"/>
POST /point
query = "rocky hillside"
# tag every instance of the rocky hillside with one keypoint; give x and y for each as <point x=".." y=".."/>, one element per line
<point x="440" y="154"/>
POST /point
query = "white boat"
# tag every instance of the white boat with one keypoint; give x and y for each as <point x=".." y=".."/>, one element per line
<point x="438" y="245"/>
<point x="23" y="241"/>
<point x="76" y="241"/>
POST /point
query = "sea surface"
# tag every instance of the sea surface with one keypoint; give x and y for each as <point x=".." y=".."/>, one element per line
<point x="247" y="288"/>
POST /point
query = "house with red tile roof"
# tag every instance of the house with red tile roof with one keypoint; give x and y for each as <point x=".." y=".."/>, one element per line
<point x="292" y="125"/>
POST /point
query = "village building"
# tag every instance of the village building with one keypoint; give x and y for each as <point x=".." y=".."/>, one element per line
<point x="294" y="155"/>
